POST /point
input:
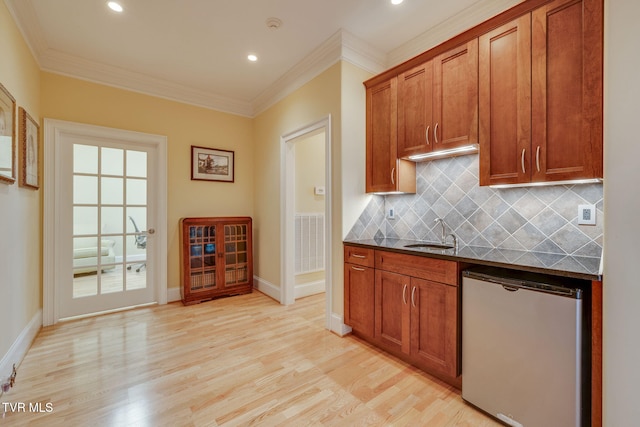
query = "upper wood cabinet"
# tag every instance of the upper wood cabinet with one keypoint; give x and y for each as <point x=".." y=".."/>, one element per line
<point x="541" y="95"/>
<point x="385" y="172"/>
<point x="438" y="102"/>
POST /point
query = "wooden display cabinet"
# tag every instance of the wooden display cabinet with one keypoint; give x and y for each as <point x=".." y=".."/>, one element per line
<point x="216" y="258"/>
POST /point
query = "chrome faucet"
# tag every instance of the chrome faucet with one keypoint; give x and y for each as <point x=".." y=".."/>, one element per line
<point x="444" y="232"/>
<point x="443" y="239"/>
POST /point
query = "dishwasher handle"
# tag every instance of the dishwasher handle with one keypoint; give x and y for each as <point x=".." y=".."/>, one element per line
<point x="512" y="284"/>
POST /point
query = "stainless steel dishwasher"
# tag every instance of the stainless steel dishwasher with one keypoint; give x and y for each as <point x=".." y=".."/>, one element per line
<point x="522" y="348"/>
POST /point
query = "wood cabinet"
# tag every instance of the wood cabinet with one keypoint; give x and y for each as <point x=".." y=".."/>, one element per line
<point x="541" y="95"/>
<point x="417" y="313"/>
<point x="216" y="256"/>
<point x="438" y="102"/>
<point x="359" y="290"/>
<point x="407" y="305"/>
<point x="384" y="171"/>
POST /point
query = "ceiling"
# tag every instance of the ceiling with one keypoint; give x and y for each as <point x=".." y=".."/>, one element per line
<point x="195" y="51"/>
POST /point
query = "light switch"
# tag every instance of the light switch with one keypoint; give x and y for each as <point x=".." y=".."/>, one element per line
<point x="586" y="215"/>
<point x="318" y="190"/>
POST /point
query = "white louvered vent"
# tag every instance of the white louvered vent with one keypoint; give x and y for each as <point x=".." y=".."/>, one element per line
<point x="309" y="236"/>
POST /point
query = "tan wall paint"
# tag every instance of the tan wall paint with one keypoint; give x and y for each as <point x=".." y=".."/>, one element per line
<point x="310" y="172"/>
<point x="312" y="102"/>
<point x="20" y="220"/>
<point x="76" y="100"/>
<point x="621" y="204"/>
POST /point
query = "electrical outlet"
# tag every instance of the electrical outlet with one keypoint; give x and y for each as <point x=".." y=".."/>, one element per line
<point x="586" y="215"/>
<point x="391" y="214"/>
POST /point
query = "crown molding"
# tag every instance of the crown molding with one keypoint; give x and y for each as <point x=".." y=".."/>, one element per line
<point x="340" y="46"/>
<point x="26" y="19"/>
<point x="83" y="69"/>
<point x="468" y="18"/>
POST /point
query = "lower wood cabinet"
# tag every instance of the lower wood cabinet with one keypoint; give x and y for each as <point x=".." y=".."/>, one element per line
<point x="409" y="306"/>
<point x="216" y="257"/>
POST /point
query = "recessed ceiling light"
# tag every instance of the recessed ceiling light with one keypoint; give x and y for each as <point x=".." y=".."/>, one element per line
<point x="252" y="58"/>
<point x="396" y="1"/>
<point x="115" y="6"/>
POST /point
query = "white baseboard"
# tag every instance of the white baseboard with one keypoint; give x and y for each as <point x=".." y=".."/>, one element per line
<point x="308" y="289"/>
<point x="338" y="326"/>
<point x="21" y="345"/>
<point x="173" y="294"/>
<point x="267" y="288"/>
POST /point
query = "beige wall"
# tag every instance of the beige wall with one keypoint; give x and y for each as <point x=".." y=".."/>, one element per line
<point x="312" y="102"/>
<point x="621" y="204"/>
<point x="310" y="173"/>
<point x="20" y="229"/>
<point x="76" y="100"/>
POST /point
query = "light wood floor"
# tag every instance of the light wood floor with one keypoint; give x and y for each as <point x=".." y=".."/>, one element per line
<point x="238" y="361"/>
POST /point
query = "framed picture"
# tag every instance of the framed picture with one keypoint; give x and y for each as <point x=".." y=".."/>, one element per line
<point x="209" y="164"/>
<point x="7" y="136"/>
<point x="28" y="133"/>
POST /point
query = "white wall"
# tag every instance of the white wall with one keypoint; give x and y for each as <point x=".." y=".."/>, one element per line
<point x="621" y="287"/>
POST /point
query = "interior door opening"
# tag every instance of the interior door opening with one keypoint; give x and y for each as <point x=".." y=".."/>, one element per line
<point x="306" y="219"/>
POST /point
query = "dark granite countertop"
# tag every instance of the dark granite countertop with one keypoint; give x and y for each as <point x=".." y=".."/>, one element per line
<point x="587" y="268"/>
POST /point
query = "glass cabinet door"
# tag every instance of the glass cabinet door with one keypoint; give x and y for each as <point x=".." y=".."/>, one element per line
<point x="202" y="255"/>
<point x="236" y="258"/>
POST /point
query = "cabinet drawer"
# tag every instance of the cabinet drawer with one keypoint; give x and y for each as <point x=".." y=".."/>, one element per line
<point x="437" y="270"/>
<point x="359" y="256"/>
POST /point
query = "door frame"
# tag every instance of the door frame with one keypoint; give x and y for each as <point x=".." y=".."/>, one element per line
<point x="53" y="130"/>
<point x="287" y="208"/>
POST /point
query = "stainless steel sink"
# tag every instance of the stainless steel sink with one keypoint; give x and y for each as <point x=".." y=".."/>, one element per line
<point x="430" y="245"/>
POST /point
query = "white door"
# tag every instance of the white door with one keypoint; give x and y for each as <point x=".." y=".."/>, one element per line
<point x="105" y="233"/>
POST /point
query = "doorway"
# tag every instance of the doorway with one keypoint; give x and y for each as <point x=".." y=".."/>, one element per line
<point x="106" y="203"/>
<point x="318" y="131"/>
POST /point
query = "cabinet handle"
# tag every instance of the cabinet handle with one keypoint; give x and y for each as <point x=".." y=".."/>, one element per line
<point x="522" y="160"/>
<point x="427" y="134"/>
<point x="413" y="296"/>
<point x="357" y="268"/>
<point x="538" y="158"/>
<point x="358" y="256"/>
<point x="435" y="133"/>
<point x="404" y="294"/>
<point x="393" y="176"/>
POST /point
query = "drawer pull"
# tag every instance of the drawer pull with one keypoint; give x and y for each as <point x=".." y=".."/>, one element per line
<point x="404" y="294"/>
<point x="538" y="158"/>
<point x="357" y="268"/>
<point x="522" y="160"/>
<point x="358" y="256"/>
<point x="413" y="296"/>
<point x="435" y="133"/>
<point x="427" y="133"/>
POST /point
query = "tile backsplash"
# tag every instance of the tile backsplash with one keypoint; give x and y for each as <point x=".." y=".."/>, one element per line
<point x="540" y="219"/>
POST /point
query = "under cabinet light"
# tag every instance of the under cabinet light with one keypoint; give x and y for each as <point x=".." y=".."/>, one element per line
<point x="467" y="149"/>
<point x="548" y="183"/>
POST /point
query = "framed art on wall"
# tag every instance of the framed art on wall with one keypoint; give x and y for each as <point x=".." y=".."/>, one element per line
<point x="7" y="136"/>
<point x="210" y="164"/>
<point x="28" y="132"/>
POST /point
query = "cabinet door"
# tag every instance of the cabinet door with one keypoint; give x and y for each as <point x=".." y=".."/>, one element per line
<point x="235" y="239"/>
<point x="415" y="110"/>
<point x="455" y="109"/>
<point x="381" y="136"/>
<point x="567" y="58"/>
<point x="434" y="325"/>
<point x="200" y="257"/>
<point x="392" y="314"/>
<point x="359" y="297"/>
<point x="505" y="103"/>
